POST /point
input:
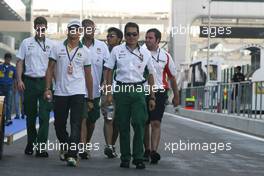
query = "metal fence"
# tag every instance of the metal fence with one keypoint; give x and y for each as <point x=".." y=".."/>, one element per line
<point x="243" y="99"/>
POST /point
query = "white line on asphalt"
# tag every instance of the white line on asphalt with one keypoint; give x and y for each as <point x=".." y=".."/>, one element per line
<point x="24" y="132"/>
<point x="217" y="127"/>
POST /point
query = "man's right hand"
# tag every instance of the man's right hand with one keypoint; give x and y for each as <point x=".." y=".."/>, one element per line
<point x="48" y="95"/>
<point x="20" y="85"/>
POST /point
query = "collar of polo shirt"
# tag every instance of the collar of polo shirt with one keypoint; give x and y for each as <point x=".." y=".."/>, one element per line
<point x="37" y="38"/>
<point x="138" y="46"/>
<point x="83" y="39"/>
<point x="66" y="42"/>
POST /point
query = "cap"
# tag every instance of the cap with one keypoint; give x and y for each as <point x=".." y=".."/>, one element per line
<point x="76" y="23"/>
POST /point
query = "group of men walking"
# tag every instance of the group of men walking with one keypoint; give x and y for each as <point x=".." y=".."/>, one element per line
<point x="80" y="67"/>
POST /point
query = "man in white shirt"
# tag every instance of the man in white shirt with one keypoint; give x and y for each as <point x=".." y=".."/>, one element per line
<point x="114" y="37"/>
<point x="100" y="54"/>
<point x="165" y="69"/>
<point x="72" y="65"/>
<point x="32" y="64"/>
<point x="131" y="61"/>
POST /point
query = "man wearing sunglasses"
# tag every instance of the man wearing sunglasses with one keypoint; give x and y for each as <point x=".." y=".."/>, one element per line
<point x="114" y="37"/>
<point x="32" y="63"/>
<point x="165" y="69"/>
<point x="131" y="62"/>
<point x="100" y="54"/>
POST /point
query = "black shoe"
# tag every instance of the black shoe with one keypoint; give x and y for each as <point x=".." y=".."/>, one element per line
<point x="22" y="116"/>
<point x="29" y="149"/>
<point x="124" y="164"/>
<point x="84" y="155"/>
<point x="114" y="152"/>
<point x="155" y="157"/>
<point x="63" y="155"/>
<point x="42" y="154"/>
<point x="109" y="152"/>
<point x="17" y="117"/>
<point x="146" y="156"/>
<point x="139" y="164"/>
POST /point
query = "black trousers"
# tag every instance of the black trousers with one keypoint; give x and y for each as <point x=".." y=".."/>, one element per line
<point x="62" y="106"/>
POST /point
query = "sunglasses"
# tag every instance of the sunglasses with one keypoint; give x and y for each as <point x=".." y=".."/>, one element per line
<point x="41" y="29"/>
<point x="110" y="35"/>
<point x="129" y="34"/>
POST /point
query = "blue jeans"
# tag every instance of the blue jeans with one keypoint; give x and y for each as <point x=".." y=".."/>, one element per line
<point x="18" y="100"/>
<point x="6" y="90"/>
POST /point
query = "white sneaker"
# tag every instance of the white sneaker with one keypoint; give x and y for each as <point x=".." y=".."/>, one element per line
<point x="72" y="162"/>
<point x="63" y="155"/>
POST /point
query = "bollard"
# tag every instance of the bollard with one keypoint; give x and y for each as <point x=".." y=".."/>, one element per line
<point x="2" y="125"/>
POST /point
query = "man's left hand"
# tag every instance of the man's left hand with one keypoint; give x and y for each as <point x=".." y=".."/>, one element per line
<point x="175" y="101"/>
<point x="90" y="105"/>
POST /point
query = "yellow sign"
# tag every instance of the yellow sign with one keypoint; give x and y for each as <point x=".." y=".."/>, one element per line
<point x="2" y="74"/>
<point x="10" y="74"/>
<point x="225" y="93"/>
<point x="259" y="88"/>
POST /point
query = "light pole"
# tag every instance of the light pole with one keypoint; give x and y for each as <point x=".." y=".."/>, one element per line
<point x="81" y="16"/>
<point x="208" y="39"/>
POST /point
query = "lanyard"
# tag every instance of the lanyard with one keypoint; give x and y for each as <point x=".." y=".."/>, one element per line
<point x="140" y="56"/>
<point x="156" y="59"/>
<point x="43" y="49"/>
<point x="71" y="58"/>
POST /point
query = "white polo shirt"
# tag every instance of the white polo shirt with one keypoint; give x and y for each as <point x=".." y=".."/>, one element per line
<point x="130" y="64"/>
<point x="100" y="54"/>
<point x="36" y="56"/>
<point x="70" y="84"/>
<point x="164" y="66"/>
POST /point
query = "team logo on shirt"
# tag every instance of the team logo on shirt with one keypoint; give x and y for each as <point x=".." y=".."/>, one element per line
<point x="122" y="54"/>
<point x="98" y="50"/>
<point x="79" y="54"/>
<point x="30" y="46"/>
<point x="47" y="47"/>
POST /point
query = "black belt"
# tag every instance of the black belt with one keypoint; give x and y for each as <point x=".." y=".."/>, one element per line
<point x="35" y="79"/>
<point x="133" y="84"/>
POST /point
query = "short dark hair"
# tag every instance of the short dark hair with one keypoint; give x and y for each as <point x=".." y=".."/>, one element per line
<point x="87" y="22"/>
<point x="131" y="24"/>
<point x="118" y="32"/>
<point x="156" y="32"/>
<point x="40" y="20"/>
<point x="8" y="56"/>
<point x="239" y="68"/>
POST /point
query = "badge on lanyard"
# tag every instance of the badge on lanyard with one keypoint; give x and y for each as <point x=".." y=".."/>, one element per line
<point x="70" y="69"/>
<point x="70" y="66"/>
